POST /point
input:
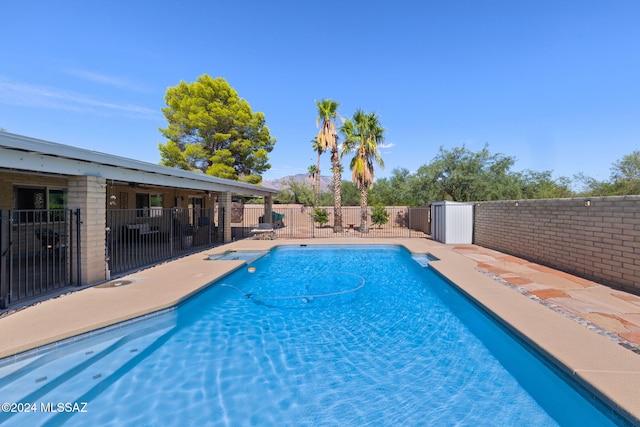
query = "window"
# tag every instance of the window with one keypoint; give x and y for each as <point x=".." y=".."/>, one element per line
<point x="30" y="198"/>
<point x="156" y="203"/>
<point x="57" y="199"/>
<point x="149" y="204"/>
<point x="38" y="198"/>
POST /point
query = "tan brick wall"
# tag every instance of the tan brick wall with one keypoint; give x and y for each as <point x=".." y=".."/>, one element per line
<point x="600" y="241"/>
<point x="88" y="194"/>
<point x="225" y="204"/>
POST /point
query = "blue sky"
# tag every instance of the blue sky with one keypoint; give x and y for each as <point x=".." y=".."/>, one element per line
<point x="555" y="84"/>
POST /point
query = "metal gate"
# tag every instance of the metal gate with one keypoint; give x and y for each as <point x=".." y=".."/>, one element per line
<point x="37" y="253"/>
<point x="138" y="238"/>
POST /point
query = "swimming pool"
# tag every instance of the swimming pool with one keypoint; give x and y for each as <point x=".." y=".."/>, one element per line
<point x="316" y="335"/>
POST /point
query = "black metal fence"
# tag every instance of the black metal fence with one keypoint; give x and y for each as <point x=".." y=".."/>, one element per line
<point x="40" y="249"/>
<point x="37" y="253"/>
<point x="138" y="238"/>
<point x="294" y="222"/>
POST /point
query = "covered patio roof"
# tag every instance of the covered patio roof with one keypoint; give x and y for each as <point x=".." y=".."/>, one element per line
<point x="23" y="153"/>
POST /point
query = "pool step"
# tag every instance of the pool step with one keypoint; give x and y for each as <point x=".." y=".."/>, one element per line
<point x="77" y="372"/>
<point x="423" y="259"/>
<point x="247" y="256"/>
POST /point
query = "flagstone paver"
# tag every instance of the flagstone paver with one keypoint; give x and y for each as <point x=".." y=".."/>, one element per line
<point x="612" y="310"/>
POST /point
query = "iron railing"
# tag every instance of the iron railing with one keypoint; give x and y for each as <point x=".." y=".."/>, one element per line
<point x="138" y="238"/>
<point x="37" y="253"/>
<point x="300" y="222"/>
<point x="40" y="249"/>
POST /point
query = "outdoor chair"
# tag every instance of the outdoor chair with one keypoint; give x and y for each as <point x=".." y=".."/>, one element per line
<point x="183" y="234"/>
<point x="137" y="232"/>
<point x="276" y="219"/>
<point x="49" y="239"/>
<point x="180" y="229"/>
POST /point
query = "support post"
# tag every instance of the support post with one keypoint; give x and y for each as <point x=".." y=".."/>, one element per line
<point x="268" y="208"/>
<point x="88" y="194"/>
<point x="224" y="221"/>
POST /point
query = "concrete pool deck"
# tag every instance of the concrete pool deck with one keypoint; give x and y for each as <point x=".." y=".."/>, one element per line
<point x="592" y="331"/>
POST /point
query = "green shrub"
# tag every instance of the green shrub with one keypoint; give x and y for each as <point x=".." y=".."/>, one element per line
<point x="379" y="216"/>
<point x="320" y="216"/>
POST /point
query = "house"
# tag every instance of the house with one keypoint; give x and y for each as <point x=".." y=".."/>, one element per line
<point x="91" y="212"/>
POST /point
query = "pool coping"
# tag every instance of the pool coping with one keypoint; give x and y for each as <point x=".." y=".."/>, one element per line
<point x="606" y="369"/>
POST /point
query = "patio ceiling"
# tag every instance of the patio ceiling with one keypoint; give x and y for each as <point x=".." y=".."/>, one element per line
<point x="29" y="154"/>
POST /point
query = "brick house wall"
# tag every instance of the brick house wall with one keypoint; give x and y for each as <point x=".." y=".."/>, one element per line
<point x="597" y="238"/>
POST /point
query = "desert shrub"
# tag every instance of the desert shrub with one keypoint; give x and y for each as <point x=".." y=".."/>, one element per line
<point x="320" y="216"/>
<point x="379" y="216"/>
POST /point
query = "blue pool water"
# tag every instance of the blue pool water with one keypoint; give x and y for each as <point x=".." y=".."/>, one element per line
<point x="316" y="336"/>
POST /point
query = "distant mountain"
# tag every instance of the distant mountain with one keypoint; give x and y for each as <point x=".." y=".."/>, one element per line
<point x="325" y="181"/>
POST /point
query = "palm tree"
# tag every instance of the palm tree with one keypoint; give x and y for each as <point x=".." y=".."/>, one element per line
<point x="313" y="174"/>
<point x="363" y="133"/>
<point x="328" y="140"/>
<point x="316" y="172"/>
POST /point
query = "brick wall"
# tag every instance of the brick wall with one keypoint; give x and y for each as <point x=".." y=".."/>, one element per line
<point x="88" y="193"/>
<point x="597" y="238"/>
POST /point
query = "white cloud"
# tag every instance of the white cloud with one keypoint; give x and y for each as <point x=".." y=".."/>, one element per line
<point x="24" y="94"/>
<point x="105" y="79"/>
<point x="385" y="146"/>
